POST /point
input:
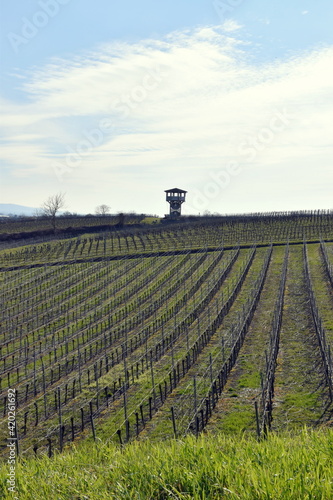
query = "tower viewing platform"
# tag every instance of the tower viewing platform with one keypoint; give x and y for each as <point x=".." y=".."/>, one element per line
<point x="175" y="197"/>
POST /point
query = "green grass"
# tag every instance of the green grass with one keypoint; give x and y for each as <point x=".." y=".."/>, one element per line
<point x="240" y="418"/>
<point x="251" y="378"/>
<point x="151" y="220"/>
<point x="285" y="466"/>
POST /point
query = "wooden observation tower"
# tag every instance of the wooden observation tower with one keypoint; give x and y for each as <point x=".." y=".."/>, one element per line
<point x="175" y="197"/>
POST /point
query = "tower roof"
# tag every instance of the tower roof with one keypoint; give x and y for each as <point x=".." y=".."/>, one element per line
<point x="175" y="190"/>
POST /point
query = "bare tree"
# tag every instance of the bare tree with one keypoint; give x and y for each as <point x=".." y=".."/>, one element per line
<point x="51" y="207"/>
<point x="102" y="210"/>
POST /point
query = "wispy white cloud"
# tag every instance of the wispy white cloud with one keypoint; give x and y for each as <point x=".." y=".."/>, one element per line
<point x="173" y="111"/>
<point x="265" y="21"/>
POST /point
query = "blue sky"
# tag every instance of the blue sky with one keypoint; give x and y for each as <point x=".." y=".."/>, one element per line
<point x="114" y="102"/>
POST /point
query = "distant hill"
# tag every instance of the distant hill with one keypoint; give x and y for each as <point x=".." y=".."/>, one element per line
<point x="12" y="209"/>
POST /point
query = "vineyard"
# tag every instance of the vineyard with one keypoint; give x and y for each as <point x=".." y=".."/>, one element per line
<point x="150" y="333"/>
<point x="15" y="225"/>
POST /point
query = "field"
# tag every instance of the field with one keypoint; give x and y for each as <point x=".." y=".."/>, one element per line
<point x="284" y="467"/>
<point x="223" y="327"/>
<point x="19" y="225"/>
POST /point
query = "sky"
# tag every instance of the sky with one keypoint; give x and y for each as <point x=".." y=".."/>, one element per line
<point x="114" y="102"/>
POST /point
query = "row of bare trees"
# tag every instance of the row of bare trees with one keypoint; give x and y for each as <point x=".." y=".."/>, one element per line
<point x="52" y="206"/>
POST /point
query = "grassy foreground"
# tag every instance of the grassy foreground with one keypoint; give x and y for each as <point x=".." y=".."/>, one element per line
<point x="284" y="467"/>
